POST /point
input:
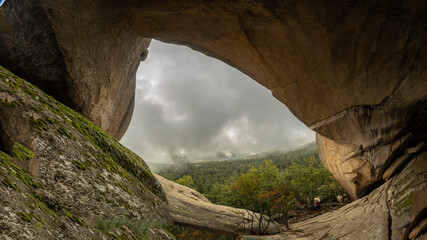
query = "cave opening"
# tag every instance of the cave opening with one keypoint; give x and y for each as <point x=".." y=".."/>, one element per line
<point x="191" y="107"/>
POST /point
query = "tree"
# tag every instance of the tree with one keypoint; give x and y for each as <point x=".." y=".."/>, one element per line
<point x="267" y="189"/>
<point x="284" y="200"/>
<point x="309" y="180"/>
<point x="248" y="187"/>
<point x="330" y="190"/>
<point x="261" y="191"/>
<point x="268" y="172"/>
<point x="186" y="180"/>
<point x="224" y="194"/>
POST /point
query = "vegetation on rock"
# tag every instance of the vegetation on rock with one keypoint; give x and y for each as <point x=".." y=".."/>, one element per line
<point x="82" y="172"/>
<point x="13" y="170"/>
<point x="21" y="152"/>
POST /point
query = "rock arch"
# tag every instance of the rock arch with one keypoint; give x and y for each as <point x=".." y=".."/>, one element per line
<point x="354" y="71"/>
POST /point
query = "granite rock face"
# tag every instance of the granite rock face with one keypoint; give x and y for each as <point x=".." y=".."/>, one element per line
<point x="320" y="58"/>
<point x="190" y="208"/>
<point x="62" y="177"/>
<point x="86" y="60"/>
<point x="353" y="71"/>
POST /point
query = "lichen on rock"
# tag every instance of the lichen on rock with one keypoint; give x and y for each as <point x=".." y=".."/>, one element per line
<point x="83" y="173"/>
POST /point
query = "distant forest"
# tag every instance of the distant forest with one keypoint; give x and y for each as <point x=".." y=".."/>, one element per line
<point x="206" y="174"/>
<point x="271" y="184"/>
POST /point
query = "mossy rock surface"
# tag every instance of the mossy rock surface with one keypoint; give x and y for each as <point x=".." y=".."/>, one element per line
<point x="83" y="174"/>
<point x="21" y="152"/>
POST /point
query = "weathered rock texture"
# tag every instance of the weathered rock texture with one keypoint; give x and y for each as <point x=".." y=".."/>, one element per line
<point x="354" y="71"/>
<point x="191" y="208"/>
<point x="318" y="57"/>
<point x="356" y="169"/>
<point x="383" y="214"/>
<point x="62" y="177"/>
<point x="87" y="61"/>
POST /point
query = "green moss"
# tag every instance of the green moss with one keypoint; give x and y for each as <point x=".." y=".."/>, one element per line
<point x="113" y="151"/>
<point x="171" y="229"/>
<point x="16" y="103"/>
<point x="38" y="218"/>
<point x="62" y="130"/>
<point x="25" y="216"/>
<point x="24" y="177"/>
<point x="12" y="103"/>
<point x="20" y="152"/>
<point x="32" y="93"/>
<point x="403" y="191"/>
<point x="74" y="219"/>
<point x="405" y="180"/>
<point x="51" y="121"/>
<point x="68" y="214"/>
<point x="19" y="173"/>
<point x="80" y="165"/>
<point x="9" y="183"/>
<point x="37" y="203"/>
<point x="39" y="225"/>
<point x="5" y="157"/>
<point x="7" y="90"/>
<point x="114" y="236"/>
<point x="112" y="155"/>
<point x="9" y="78"/>
<point x="36" y="109"/>
<point x="38" y="196"/>
<point x="404" y="204"/>
<point x="124" y="187"/>
<point x="39" y="124"/>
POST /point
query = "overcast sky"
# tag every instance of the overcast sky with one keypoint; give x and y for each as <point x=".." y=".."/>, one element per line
<point x="190" y="107"/>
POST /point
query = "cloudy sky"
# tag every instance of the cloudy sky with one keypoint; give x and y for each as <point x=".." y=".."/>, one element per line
<point x="191" y="107"/>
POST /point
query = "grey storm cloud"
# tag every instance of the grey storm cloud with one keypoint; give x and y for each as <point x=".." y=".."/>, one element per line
<point x="189" y="107"/>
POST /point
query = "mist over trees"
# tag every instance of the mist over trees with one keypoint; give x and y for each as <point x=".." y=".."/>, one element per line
<point x="270" y="184"/>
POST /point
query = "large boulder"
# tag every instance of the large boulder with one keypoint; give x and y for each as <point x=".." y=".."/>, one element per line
<point x="62" y="177"/>
<point x="89" y="65"/>
<point x="190" y="208"/>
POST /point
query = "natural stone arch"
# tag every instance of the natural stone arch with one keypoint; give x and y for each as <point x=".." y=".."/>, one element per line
<point x="348" y="70"/>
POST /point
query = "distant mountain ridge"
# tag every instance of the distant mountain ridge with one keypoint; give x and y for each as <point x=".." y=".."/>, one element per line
<point x="311" y="146"/>
<point x="240" y="165"/>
